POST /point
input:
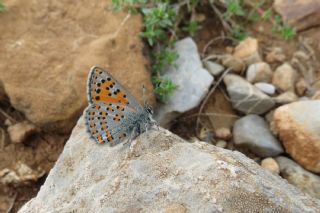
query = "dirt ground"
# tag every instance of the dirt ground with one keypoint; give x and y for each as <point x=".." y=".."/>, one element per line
<point x="44" y="148"/>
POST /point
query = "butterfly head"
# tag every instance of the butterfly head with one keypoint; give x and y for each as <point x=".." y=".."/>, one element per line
<point x="148" y="109"/>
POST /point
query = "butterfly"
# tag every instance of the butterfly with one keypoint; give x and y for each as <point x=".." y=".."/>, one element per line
<point x="113" y="114"/>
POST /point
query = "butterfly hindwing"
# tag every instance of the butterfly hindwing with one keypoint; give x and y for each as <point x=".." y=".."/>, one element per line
<point x="105" y="122"/>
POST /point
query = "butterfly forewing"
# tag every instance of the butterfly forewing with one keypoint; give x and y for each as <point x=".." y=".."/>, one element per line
<point x="103" y="88"/>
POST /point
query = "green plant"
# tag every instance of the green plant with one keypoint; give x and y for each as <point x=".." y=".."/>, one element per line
<point x="161" y="59"/>
<point x="238" y="33"/>
<point x="157" y="21"/>
<point x="233" y="8"/>
<point x="284" y="29"/>
<point x="162" y="22"/>
<point x="266" y="15"/>
<point x="163" y="87"/>
<point x="191" y="27"/>
<point x="2" y="7"/>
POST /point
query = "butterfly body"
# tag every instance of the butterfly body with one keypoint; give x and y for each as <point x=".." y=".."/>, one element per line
<point x="113" y="114"/>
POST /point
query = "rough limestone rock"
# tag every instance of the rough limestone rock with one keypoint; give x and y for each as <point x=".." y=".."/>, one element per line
<point x="298" y="125"/>
<point x="252" y="132"/>
<point x="301" y="178"/>
<point x="47" y="52"/>
<point x="162" y="173"/>
<point x="245" y="97"/>
<point x="192" y="80"/>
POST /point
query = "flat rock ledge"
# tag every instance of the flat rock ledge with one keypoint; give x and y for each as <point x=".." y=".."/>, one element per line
<point x="162" y="173"/>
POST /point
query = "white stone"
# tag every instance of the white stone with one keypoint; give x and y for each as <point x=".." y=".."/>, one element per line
<point x="266" y="88"/>
<point x="257" y="72"/>
<point x="214" y="68"/>
<point x="245" y="97"/>
<point x="192" y="80"/>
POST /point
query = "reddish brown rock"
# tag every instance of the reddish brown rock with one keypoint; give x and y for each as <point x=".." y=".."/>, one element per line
<point x="47" y="52"/>
<point x="302" y="14"/>
<point x="298" y="125"/>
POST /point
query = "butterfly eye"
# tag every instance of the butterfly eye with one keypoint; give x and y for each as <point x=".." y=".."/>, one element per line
<point x="149" y="109"/>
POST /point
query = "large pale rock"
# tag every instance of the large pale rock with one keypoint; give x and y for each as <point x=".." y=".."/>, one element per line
<point x="248" y="50"/>
<point x="298" y="125"/>
<point x="159" y="174"/>
<point x="253" y="133"/>
<point x="301" y="178"/>
<point x="245" y="97"/>
<point x="46" y="54"/>
<point x="191" y="79"/>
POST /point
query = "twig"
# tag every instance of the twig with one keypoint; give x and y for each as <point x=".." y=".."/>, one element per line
<point x="209" y="114"/>
<point x="115" y="34"/>
<point x="2" y="139"/>
<point x="212" y="41"/>
<point x="12" y="203"/>
<point x="225" y="24"/>
<point x="8" y="116"/>
<point x="208" y="95"/>
<point x="212" y="56"/>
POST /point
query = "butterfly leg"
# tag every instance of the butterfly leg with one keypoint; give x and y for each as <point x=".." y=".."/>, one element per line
<point x="131" y="137"/>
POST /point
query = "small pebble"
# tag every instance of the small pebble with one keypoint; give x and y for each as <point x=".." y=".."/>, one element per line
<point x="214" y="68"/>
<point x="221" y="144"/>
<point x="266" y="88"/>
<point x="223" y="133"/>
<point x="271" y="164"/>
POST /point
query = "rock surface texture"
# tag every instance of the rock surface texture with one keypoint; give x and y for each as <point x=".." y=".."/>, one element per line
<point x="192" y="80"/>
<point x="162" y="173"/>
<point x="298" y="125"/>
<point x="49" y="50"/>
